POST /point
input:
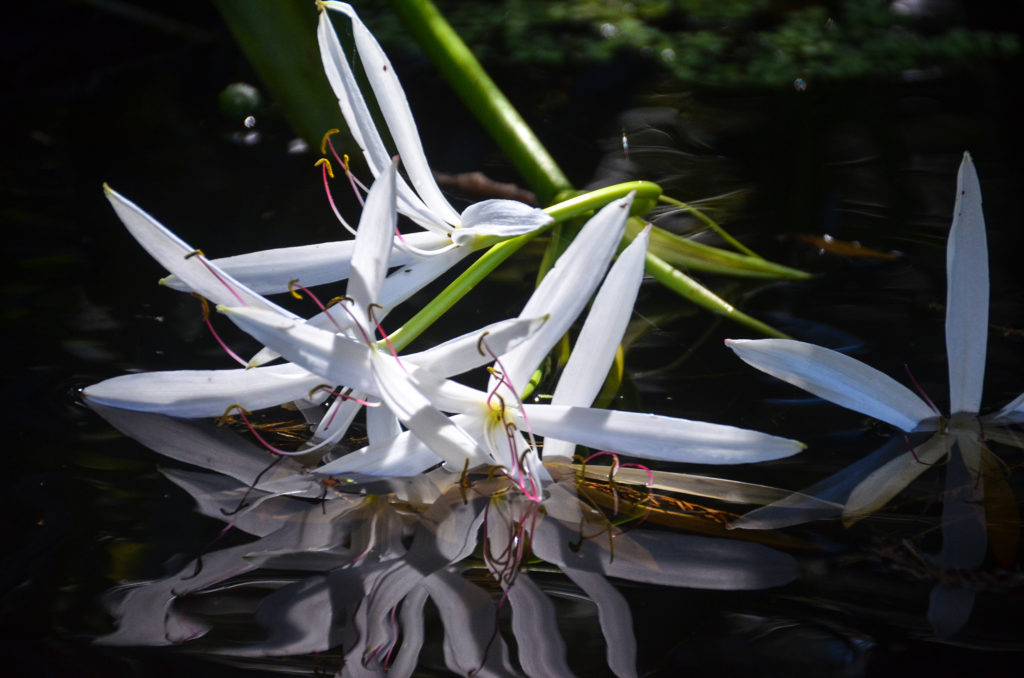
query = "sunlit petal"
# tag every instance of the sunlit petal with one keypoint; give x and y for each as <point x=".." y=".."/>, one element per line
<point x="566" y="288"/>
<point x="181" y="259"/>
<point x="204" y="393"/>
<point x="373" y="245"/>
<point x="361" y="123"/>
<point x="966" y="294"/>
<point x="599" y="339"/>
<point x="333" y="357"/>
<point x="502" y="218"/>
<point x="651" y="436"/>
<point x="464" y="353"/>
<point x="835" y="377"/>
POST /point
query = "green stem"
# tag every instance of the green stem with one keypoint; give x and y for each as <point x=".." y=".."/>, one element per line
<point x="492" y="258"/>
<point x="710" y="223"/>
<point x="685" y="286"/>
<point x="478" y="92"/>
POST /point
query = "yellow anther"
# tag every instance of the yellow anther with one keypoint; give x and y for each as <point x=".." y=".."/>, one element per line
<point x="195" y="253"/>
<point x="325" y="161"/>
<point x="321" y="6"/>
<point x="480" y="344"/>
<point x="291" y="288"/>
<point x="206" y="306"/>
<point x="344" y="160"/>
<point x="226" y="417"/>
<point x="336" y="300"/>
<point x="327" y="134"/>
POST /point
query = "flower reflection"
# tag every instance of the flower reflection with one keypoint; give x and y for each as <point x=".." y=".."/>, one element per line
<point x="354" y="572"/>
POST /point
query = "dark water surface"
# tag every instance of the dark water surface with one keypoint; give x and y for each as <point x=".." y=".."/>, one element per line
<point x="91" y="96"/>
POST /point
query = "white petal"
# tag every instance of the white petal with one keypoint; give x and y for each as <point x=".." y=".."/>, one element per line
<point x="335" y="358"/>
<point x="502" y="218"/>
<point x="463" y="354"/>
<point x="655" y="437"/>
<point x="835" y="377"/>
<point x="1013" y="412"/>
<point x="414" y="410"/>
<point x="204" y="393"/>
<point x="180" y="258"/>
<point x="966" y="294"/>
<point x="397" y="287"/>
<point x="877" y="489"/>
<point x="381" y="425"/>
<point x="949" y="608"/>
<point x="599" y="339"/>
<point x="270" y="271"/>
<point x="373" y="245"/>
<point x="566" y="288"/>
<point x="395" y="109"/>
<point x="361" y="124"/>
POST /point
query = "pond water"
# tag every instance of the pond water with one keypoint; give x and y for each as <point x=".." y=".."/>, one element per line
<point x="134" y="103"/>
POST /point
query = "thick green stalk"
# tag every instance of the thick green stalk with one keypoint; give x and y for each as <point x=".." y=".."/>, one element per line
<point x="478" y="92"/>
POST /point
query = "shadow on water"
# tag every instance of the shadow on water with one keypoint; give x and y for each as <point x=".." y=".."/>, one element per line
<point x="101" y="97"/>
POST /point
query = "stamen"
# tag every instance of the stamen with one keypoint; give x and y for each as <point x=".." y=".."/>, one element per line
<point x="343" y="161"/>
<point x="921" y="391"/>
<point x="213" y="271"/>
<point x="344" y="395"/>
<point x="383" y="334"/>
<point x="209" y="325"/>
<point x="292" y="284"/>
<point x="328" y="172"/>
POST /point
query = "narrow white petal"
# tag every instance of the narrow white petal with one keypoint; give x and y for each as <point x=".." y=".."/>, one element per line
<point x="464" y="353"/>
<point x="204" y="393"/>
<point x="835" y="377"/>
<point x="334" y="357"/>
<point x="567" y="287"/>
<point x="599" y="339"/>
<point x="270" y="271"/>
<point x="361" y="124"/>
<point x="395" y="109"/>
<point x="381" y="424"/>
<point x="415" y="411"/>
<point x="877" y="489"/>
<point x="181" y="259"/>
<point x="373" y="244"/>
<point x="397" y="287"/>
<point x="966" y="294"/>
<point x="650" y="436"/>
<point x="402" y="456"/>
<point x="1013" y="412"/>
<point x="502" y="218"/>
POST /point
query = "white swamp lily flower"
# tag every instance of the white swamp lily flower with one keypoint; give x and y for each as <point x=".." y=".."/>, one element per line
<point x="494" y="422"/>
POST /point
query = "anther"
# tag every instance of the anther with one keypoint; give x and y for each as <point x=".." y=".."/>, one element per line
<point x="327" y="166"/>
<point x="325" y="140"/>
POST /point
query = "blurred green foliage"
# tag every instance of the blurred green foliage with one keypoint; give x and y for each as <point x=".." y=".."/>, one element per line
<point x="725" y="43"/>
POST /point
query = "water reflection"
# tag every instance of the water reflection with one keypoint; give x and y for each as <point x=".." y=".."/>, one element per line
<point x="353" y="572"/>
